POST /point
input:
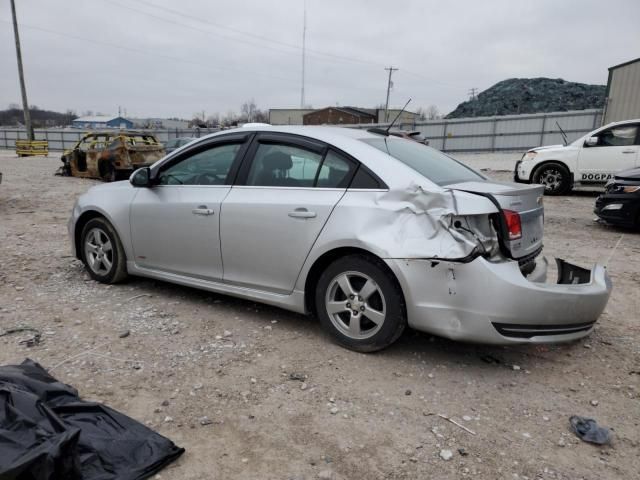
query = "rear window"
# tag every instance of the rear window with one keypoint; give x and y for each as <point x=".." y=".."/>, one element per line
<point x="429" y="162"/>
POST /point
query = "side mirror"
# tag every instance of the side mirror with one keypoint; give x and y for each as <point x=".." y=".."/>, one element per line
<point x="591" y="142"/>
<point x="141" y="178"/>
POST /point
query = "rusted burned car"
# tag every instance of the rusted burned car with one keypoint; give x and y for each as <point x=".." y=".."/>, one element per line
<point x="111" y="155"/>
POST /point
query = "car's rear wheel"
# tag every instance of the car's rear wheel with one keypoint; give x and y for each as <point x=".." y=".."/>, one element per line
<point x="555" y="177"/>
<point x="102" y="252"/>
<point x="360" y="303"/>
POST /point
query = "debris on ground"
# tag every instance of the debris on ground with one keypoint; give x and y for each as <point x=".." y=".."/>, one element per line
<point x="446" y="454"/>
<point x="31" y="341"/>
<point x="47" y="431"/>
<point x="449" y="419"/>
<point x="587" y="430"/>
<point x="298" y="376"/>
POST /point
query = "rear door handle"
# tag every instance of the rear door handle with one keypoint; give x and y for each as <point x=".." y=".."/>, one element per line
<point x="202" y="210"/>
<point x="302" y="213"/>
<point x="628" y="151"/>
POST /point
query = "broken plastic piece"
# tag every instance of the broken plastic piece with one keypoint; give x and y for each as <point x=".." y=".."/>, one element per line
<point x="587" y="430"/>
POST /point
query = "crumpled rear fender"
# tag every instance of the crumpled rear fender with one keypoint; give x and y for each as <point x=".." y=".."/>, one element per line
<point x="407" y="223"/>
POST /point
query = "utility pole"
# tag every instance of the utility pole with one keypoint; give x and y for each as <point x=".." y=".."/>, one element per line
<point x="473" y="95"/>
<point x="304" y="49"/>
<point x="386" y="107"/>
<point x="23" y="88"/>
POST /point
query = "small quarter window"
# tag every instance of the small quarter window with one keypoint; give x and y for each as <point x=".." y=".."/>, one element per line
<point x="335" y="171"/>
<point x="363" y="179"/>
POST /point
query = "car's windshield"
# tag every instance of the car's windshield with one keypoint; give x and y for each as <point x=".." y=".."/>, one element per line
<point x="429" y="162"/>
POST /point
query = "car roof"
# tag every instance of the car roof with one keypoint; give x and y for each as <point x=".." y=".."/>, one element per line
<point x="622" y="122"/>
<point x="314" y="131"/>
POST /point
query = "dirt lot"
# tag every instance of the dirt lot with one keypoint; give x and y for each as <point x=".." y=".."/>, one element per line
<point x="192" y="354"/>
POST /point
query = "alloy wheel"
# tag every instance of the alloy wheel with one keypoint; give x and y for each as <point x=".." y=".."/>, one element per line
<point x="355" y="305"/>
<point x="98" y="251"/>
<point x="551" y="178"/>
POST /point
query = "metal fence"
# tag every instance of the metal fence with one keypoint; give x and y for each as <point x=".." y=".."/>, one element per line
<point x="62" y="138"/>
<point x="505" y="133"/>
<point x="482" y="134"/>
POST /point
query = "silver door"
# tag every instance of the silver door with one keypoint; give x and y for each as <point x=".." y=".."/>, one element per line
<point x="269" y="225"/>
<point x="175" y="224"/>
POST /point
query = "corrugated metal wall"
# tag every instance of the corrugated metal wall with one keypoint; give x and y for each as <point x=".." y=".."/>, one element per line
<point x="623" y="101"/>
<point x="509" y="132"/>
<point x="62" y="139"/>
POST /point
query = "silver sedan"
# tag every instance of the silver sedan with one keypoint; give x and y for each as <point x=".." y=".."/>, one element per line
<point x="371" y="233"/>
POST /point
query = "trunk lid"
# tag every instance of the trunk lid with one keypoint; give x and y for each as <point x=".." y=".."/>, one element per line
<point x="526" y="201"/>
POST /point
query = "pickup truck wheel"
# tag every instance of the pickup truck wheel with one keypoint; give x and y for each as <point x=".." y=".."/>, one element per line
<point x="102" y="252"/>
<point x="359" y="303"/>
<point x="555" y="177"/>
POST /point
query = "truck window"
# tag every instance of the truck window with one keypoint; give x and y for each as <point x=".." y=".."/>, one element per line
<point x="618" y="136"/>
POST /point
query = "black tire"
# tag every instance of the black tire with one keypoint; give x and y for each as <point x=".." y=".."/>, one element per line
<point x="387" y="298"/>
<point x="555" y="177"/>
<point x="112" y="260"/>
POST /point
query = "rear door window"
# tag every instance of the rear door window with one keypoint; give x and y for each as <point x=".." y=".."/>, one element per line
<point x="276" y="165"/>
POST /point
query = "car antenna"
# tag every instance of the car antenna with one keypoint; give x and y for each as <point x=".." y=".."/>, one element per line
<point x="564" y="135"/>
<point x="397" y="116"/>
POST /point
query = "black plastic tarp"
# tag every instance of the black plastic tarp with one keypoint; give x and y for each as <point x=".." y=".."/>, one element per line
<point x="48" y="433"/>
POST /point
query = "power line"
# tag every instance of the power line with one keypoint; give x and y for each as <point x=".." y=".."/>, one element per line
<point x="317" y="53"/>
<point x="207" y="66"/>
<point x="137" y="50"/>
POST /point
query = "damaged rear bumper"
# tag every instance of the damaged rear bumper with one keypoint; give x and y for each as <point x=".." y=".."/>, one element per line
<point x="494" y="303"/>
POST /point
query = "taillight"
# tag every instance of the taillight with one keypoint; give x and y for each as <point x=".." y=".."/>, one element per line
<point x="514" y="226"/>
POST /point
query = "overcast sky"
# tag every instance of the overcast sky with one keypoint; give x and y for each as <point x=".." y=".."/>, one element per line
<point x="175" y="58"/>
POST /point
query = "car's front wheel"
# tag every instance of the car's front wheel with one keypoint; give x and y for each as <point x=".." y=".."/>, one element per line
<point x="555" y="177"/>
<point x="102" y="252"/>
<point x="360" y="303"/>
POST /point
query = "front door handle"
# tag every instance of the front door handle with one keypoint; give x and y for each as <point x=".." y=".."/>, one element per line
<point x="628" y="151"/>
<point x="202" y="210"/>
<point x="302" y="213"/>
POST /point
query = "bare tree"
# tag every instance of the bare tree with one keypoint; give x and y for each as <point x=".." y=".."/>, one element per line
<point x="248" y="110"/>
<point x="213" y="120"/>
<point x="433" y="113"/>
<point x="261" y="116"/>
<point x="230" y="119"/>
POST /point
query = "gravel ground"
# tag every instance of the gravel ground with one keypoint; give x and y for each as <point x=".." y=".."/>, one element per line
<point x="256" y="392"/>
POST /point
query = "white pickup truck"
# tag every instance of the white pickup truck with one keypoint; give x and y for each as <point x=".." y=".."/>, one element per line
<point x="590" y="160"/>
